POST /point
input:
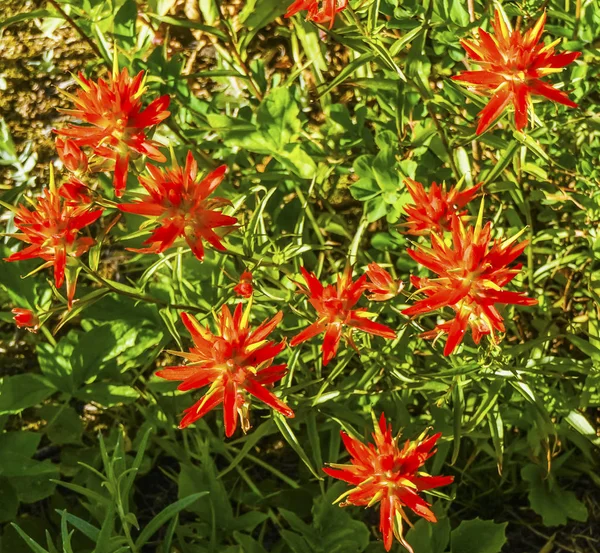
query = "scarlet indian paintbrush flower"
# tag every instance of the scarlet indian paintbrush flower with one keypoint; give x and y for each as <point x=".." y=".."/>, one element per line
<point x="384" y="473"/>
<point x="512" y="67"/>
<point x="472" y="270"/>
<point x="235" y="363"/>
<point x="25" y="318"/>
<point x="433" y="210"/>
<point x="334" y="305"/>
<point x="72" y="156"/>
<point x="381" y="285"/>
<point x="319" y="11"/>
<point x="244" y="287"/>
<point x="52" y="230"/>
<point x="180" y="202"/>
<point x="117" y="121"/>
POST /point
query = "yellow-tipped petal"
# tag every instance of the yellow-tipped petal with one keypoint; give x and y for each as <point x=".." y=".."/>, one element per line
<point x="80" y="82"/>
<point x="115" y="67"/>
<point x="505" y="26"/>
<point x="246" y="314"/>
<point x="479" y="224"/>
<point x="51" y="182"/>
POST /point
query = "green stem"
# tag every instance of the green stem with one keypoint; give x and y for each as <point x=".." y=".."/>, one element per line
<point x="527" y="210"/>
<point x="355" y="244"/>
<point x="134" y="295"/>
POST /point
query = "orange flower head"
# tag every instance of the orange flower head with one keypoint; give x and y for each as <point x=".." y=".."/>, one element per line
<point x="117" y="122"/>
<point x="384" y="473"/>
<point x="319" y="11"/>
<point x="25" y="318"/>
<point x="471" y="271"/>
<point x="52" y="230"/>
<point x="334" y="305"/>
<point x="244" y="287"/>
<point x="75" y="192"/>
<point x="512" y="66"/>
<point x="235" y="363"/>
<point x="181" y="204"/>
<point x="381" y="285"/>
<point x="72" y="156"/>
<point x="434" y="211"/>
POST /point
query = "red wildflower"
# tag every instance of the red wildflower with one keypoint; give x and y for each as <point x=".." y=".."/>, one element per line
<point x="471" y="274"/>
<point x="72" y="156"/>
<point x="113" y="108"/>
<point x="75" y="191"/>
<point x="181" y="204"/>
<point x="433" y="211"/>
<point x="236" y="363"/>
<point x="334" y="306"/>
<point x="319" y="11"/>
<point x="244" y="288"/>
<point x="382" y="286"/>
<point x="384" y="473"/>
<point x="25" y="318"/>
<point x="512" y="66"/>
<point x="52" y="230"/>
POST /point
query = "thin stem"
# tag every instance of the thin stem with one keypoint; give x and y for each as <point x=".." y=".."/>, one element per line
<point x="238" y="58"/>
<point x="78" y="29"/>
<point x="527" y="210"/>
<point x="355" y="244"/>
<point x="142" y="297"/>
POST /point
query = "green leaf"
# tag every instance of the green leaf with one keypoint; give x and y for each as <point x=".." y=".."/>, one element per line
<point x="21" y="391"/>
<point x="108" y="395"/>
<point x="166" y="514"/>
<point x="34" y="14"/>
<point x="549" y="500"/>
<point x="429" y="538"/>
<point x="297" y="160"/>
<point x="9" y="500"/>
<point x="279" y="117"/>
<point x="347" y="72"/>
<point x="291" y="439"/>
<point x="84" y="527"/>
<point x="64" y="425"/>
<point x="248" y="544"/>
<point x="124" y="29"/>
<point x="478" y="536"/>
<point x="259" y="13"/>
<point x="33" y="545"/>
<point x="188" y="24"/>
<point x="502" y="163"/>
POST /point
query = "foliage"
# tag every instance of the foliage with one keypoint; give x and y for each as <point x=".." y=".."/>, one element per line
<point x="319" y="128"/>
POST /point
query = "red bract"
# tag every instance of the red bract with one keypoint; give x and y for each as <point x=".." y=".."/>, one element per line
<point x="334" y="306"/>
<point x="72" y="156"/>
<point x="433" y="210"/>
<point x="25" y="318"/>
<point x="75" y="191"/>
<point x="389" y="475"/>
<point x="472" y="272"/>
<point x="52" y="230"/>
<point x="244" y="287"/>
<point x="113" y="108"/>
<point x="319" y="11"/>
<point x="181" y="204"/>
<point x="381" y="285"/>
<point x="236" y="363"/>
<point x="512" y="66"/>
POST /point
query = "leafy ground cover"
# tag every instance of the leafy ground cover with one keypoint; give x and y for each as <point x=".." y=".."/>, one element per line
<point x="302" y="229"/>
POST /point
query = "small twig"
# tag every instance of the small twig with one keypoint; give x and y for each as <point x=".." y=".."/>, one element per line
<point x="76" y="27"/>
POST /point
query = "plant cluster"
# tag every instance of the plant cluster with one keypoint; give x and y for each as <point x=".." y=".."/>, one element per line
<point x="398" y="311"/>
